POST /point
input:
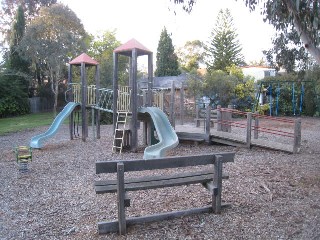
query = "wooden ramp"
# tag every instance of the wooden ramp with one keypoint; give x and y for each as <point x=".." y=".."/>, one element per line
<point x="272" y="145"/>
<point x="227" y="138"/>
<point x="197" y="135"/>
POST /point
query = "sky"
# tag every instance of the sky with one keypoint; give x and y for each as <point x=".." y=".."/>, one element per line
<point x="145" y="19"/>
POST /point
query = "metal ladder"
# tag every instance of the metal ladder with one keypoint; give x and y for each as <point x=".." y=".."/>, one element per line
<point x="119" y="133"/>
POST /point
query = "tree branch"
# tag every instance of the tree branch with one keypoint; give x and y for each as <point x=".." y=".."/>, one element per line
<point x="304" y="35"/>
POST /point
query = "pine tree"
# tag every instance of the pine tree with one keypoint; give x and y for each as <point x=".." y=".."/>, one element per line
<point x="224" y="49"/>
<point x="14" y="81"/>
<point x="16" y="62"/>
<point x="167" y="60"/>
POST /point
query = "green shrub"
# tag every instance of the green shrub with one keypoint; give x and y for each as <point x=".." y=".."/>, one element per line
<point x="263" y="109"/>
<point x="13" y="95"/>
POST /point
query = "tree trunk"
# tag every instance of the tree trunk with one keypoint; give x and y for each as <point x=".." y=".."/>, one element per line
<point x="54" y="89"/>
<point x="303" y="33"/>
<point x="55" y="106"/>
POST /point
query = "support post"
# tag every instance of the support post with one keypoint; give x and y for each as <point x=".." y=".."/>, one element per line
<point x="229" y="118"/>
<point x="84" y="102"/>
<point x="92" y="122"/>
<point x="134" y="93"/>
<point x="256" y="126"/>
<point x="219" y="118"/>
<point x="197" y="116"/>
<point x="217" y="184"/>
<point x="70" y="98"/>
<point x="145" y="133"/>
<point x="172" y="104"/>
<point x="115" y="89"/>
<point x="97" y="112"/>
<point x="297" y="136"/>
<point x="150" y="80"/>
<point x="181" y="104"/>
<point x="248" y="136"/>
<point x="121" y="199"/>
<point x="207" y="123"/>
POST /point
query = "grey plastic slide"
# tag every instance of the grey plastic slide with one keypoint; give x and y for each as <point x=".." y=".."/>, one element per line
<point x="168" y="138"/>
<point x="37" y="141"/>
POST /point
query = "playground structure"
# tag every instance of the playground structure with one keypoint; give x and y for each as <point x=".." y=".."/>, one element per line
<point x="134" y="105"/>
<point x="126" y="112"/>
<point x="236" y="128"/>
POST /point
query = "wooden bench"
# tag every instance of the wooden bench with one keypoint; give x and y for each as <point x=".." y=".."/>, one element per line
<point x="201" y="117"/>
<point x="210" y="178"/>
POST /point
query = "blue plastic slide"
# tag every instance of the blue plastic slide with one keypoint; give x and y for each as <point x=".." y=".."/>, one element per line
<point x="37" y="141"/>
<point x="168" y="138"/>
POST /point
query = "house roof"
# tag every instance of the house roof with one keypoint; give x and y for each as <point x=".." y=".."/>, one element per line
<point x="164" y="82"/>
<point x="126" y="49"/>
<point x="256" y="67"/>
<point x="83" y="58"/>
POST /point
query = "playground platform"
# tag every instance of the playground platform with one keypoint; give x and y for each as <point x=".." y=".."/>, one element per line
<point x="237" y="139"/>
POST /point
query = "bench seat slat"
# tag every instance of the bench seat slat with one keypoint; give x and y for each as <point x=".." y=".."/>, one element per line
<point x="151" y="182"/>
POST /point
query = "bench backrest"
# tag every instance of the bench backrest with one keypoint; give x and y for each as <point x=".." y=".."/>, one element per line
<point x="162" y="163"/>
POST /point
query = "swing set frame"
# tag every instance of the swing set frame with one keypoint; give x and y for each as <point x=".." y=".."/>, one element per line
<point x="279" y="84"/>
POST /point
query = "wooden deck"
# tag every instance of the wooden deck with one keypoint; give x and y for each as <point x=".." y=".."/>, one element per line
<point x="189" y="132"/>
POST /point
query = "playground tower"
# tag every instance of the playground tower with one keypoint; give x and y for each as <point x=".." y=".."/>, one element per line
<point x="131" y="49"/>
<point x="84" y="61"/>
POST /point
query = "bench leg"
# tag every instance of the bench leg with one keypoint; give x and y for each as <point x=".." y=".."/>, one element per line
<point x="121" y="199"/>
<point x="217" y="183"/>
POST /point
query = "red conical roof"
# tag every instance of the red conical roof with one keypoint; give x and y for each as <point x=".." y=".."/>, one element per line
<point x="83" y="58"/>
<point x="127" y="48"/>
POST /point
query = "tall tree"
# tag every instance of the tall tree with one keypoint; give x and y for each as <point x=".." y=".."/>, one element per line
<point x="101" y="48"/>
<point x="302" y="15"/>
<point x="15" y="77"/>
<point x="167" y="61"/>
<point x="191" y="55"/>
<point x="224" y="48"/>
<point x="51" y="39"/>
<point x="9" y="8"/>
<point x="16" y="62"/>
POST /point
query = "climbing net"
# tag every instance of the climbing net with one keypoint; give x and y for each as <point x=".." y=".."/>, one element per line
<point x="103" y="102"/>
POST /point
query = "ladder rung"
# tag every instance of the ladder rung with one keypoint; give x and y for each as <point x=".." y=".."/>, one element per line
<point x="122" y="118"/>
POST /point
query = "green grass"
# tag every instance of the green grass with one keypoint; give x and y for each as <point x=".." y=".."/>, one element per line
<point x="15" y="124"/>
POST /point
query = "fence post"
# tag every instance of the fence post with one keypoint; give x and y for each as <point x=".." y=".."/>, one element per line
<point x="181" y="104"/>
<point x="297" y="136"/>
<point x="219" y="118"/>
<point x="92" y="123"/>
<point x="144" y="98"/>
<point x="229" y="118"/>
<point x="249" y="122"/>
<point x="207" y="123"/>
<point x="172" y="120"/>
<point x="256" y="126"/>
